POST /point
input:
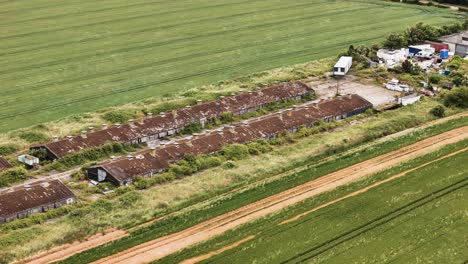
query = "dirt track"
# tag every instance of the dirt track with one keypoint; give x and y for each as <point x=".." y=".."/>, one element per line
<point x="62" y="252"/>
<point x="170" y="244"/>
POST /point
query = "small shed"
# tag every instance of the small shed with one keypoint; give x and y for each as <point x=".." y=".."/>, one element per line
<point x="343" y="65"/>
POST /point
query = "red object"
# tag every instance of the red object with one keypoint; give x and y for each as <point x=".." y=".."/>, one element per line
<point x="437" y="46"/>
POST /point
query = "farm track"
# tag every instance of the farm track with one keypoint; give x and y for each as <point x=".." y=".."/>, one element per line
<point x="170" y="244"/>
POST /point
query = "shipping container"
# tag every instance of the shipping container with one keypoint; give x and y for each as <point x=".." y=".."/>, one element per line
<point x="342" y="66"/>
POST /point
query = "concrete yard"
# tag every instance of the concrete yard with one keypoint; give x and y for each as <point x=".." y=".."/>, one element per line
<point x="375" y="94"/>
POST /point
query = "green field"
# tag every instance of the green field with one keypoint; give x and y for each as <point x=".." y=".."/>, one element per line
<point x="66" y="57"/>
<point x="419" y="218"/>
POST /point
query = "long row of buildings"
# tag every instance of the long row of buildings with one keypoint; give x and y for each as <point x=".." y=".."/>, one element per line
<point x="123" y="171"/>
<point x="22" y="201"/>
<point x="167" y="124"/>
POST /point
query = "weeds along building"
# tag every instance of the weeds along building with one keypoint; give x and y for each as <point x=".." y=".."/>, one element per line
<point x="39" y="197"/>
<point x="123" y="171"/>
<point x="167" y="124"/>
<point x="4" y="164"/>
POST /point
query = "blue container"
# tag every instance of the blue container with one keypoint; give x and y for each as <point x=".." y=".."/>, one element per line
<point x="444" y="54"/>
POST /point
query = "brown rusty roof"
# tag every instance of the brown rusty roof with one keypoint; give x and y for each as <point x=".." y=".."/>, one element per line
<point x="177" y="118"/>
<point x="213" y="141"/>
<point x="4" y="164"/>
<point x="31" y="196"/>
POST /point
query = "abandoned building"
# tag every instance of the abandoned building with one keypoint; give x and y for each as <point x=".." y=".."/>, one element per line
<point x="122" y="171"/>
<point x="39" y="197"/>
<point x="4" y="164"/>
<point x="167" y="124"/>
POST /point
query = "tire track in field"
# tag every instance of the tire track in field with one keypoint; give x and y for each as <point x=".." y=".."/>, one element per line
<point x="170" y="244"/>
<point x="290" y="55"/>
<point x="61" y="44"/>
<point x="19" y="90"/>
<point x="81" y="12"/>
<point x="377" y="222"/>
<point x="173" y="41"/>
<point x="112" y="21"/>
<point x="191" y="56"/>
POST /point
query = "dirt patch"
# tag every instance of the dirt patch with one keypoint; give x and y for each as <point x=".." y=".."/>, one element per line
<point x="65" y="251"/>
<point x="164" y="246"/>
<point x="370" y="187"/>
<point x="217" y="252"/>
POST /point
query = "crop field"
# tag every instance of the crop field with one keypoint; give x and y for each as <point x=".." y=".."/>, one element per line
<point x="60" y="58"/>
<point x="418" y="218"/>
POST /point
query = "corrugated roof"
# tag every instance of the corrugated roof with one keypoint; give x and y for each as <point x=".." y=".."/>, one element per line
<point x="4" y="164"/>
<point x="177" y="119"/>
<point x="31" y="196"/>
<point x="264" y="127"/>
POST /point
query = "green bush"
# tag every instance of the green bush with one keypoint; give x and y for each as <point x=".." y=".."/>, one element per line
<point x="434" y="79"/>
<point x="103" y="205"/>
<point x="12" y="175"/>
<point x="457" y="97"/>
<point x="33" y="137"/>
<point x="259" y="147"/>
<point x="229" y="165"/>
<point x="118" y="116"/>
<point x="7" y="149"/>
<point x="438" y="111"/>
<point x="129" y="199"/>
<point x="194" y="127"/>
<point x="235" y="152"/>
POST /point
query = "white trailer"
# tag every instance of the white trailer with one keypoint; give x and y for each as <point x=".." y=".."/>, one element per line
<point x="342" y="66"/>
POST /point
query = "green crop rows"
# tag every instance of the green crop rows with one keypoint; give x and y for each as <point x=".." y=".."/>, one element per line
<point x="66" y="57"/>
<point x="419" y="218"/>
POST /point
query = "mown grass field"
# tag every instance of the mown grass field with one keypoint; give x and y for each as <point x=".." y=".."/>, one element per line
<point x="418" y="218"/>
<point x="67" y="57"/>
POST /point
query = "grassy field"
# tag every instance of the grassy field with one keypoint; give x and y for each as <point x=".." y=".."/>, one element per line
<point x="61" y="58"/>
<point x="250" y="194"/>
<point x="419" y="218"/>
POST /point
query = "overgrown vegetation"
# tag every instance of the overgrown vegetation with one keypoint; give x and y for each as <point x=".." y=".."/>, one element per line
<point x="12" y="175"/>
<point x="33" y="137"/>
<point x="7" y="149"/>
<point x="88" y="155"/>
<point x="457" y="97"/>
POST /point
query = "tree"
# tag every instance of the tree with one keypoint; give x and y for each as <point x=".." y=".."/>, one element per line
<point x="420" y="32"/>
<point x="395" y="41"/>
<point x="407" y="66"/>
